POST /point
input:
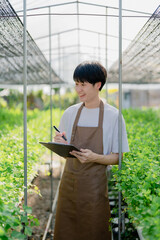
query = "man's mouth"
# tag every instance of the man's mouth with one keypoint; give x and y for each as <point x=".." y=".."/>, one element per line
<point x="81" y="95"/>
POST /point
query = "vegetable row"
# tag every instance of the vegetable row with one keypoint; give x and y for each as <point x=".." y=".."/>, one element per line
<point x="12" y="166"/>
<point x="139" y="178"/>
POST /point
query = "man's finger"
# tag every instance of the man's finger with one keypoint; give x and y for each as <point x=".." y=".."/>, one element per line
<point x="84" y="150"/>
<point x="77" y="152"/>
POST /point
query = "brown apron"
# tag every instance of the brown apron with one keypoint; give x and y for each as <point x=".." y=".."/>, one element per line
<point x="83" y="210"/>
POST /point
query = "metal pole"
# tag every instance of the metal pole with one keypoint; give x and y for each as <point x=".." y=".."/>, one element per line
<point x="59" y="56"/>
<point x="25" y="104"/>
<point x="59" y="70"/>
<point x="99" y="51"/>
<point x="50" y="80"/>
<point x="63" y="69"/>
<point x="106" y="56"/>
<point x="78" y="32"/>
<point x="120" y="113"/>
<point x="94" y="52"/>
<point x="25" y="99"/>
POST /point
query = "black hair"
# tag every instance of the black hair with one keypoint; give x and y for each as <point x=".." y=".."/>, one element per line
<point x="91" y="72"/>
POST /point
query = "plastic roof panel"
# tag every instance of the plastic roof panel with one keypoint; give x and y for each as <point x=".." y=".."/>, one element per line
<point x="76" y="38"/>
<point x="11" y="52"/>
<point x="141" y="60"/>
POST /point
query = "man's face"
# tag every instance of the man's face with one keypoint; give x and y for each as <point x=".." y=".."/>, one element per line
<point x="86" y="91"/>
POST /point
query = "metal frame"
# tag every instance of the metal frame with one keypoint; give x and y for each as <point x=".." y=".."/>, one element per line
<point x="51" y="105"/>
<point x="120" y="115"/>
<point x="90" y="4"/>
<point x="25" y="100"/>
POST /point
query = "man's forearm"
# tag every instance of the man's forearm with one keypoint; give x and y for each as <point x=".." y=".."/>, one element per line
<point x="110" y="159"/>
<point x="86" y="156"/>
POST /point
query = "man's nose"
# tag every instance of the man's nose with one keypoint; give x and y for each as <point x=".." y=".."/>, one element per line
<point x="79" y="89"/>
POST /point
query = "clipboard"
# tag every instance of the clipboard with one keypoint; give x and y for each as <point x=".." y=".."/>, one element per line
<point x="60" y="148"/>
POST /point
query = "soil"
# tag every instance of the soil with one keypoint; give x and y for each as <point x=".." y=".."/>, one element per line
<point x="40" y="200"/>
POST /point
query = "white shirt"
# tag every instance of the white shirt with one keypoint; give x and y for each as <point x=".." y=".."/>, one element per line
<point x="89" y="118"/>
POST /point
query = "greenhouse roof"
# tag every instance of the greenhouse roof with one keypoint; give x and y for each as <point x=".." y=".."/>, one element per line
<point x="80" y="31"/>
<point x="141" y="60"/>
<point x="11" y="52"/>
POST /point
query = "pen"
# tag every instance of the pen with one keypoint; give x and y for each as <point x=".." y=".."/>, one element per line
<point x="59" y="132"/>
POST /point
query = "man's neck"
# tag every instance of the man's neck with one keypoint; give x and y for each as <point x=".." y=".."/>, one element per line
<point x="93" y="104"/>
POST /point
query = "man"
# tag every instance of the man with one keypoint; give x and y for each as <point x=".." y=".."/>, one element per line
<point x="83" y="210"/>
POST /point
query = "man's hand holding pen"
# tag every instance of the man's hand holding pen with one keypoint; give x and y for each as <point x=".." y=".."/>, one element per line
<point x="60" y="137"/>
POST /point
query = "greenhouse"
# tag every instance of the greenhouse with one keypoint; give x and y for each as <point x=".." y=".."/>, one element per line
<point x="42" y="42"/>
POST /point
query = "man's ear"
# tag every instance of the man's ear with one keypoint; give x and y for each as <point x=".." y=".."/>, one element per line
<point x="98" y="85"/>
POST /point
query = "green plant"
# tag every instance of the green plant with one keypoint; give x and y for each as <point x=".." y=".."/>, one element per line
<point x="12" y="217"/>
<point x="139" y="178"/>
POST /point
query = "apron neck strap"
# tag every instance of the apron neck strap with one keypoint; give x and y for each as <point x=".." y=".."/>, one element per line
<point x="78" y="115"/>
<point x="100" y="123"/>
<point x="101" y="112"/>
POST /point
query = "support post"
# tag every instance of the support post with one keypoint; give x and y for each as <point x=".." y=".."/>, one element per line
<point x="106" y="56"/>
<point x="50" y="81"/>
<point x="25" y="105"/>
<point x="59" y="55"/>
<point x="78" y="57"/>
<point x="59" y="70"/>
<point x="99" y="47"/>
<point x="25" y="99"/>
<point x="63" y="68"/>
<point x="120" y="113"/>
